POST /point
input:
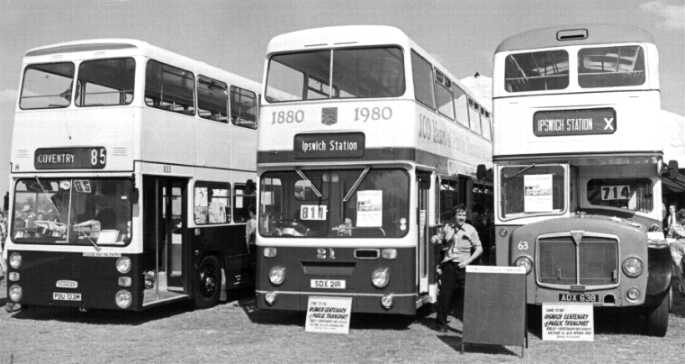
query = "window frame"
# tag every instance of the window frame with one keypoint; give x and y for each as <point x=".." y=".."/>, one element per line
<point x="432" y="81"/>
<point x="512" y="54"/>
<point x="78" y="74"/>
<point x="231" y="107"/>
<point x="194" y="90"/>
<point x="212" y="185"/>
<point x="641" y="53"/>
<point x="242" y="186"/>
<point x="23" y="83"/>
<point x="197" y="93"/>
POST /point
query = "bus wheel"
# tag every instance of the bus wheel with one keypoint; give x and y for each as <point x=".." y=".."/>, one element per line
<point x="657" y="317"/>
<point x="208" y="283"/>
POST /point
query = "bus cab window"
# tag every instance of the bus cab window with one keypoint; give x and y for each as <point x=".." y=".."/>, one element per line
<point x="104" y="82"/>
<point x="536" y="71"/>
<point x="47" y="86"/>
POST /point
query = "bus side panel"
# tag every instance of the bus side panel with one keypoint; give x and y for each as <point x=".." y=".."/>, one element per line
<point x="302" y="265"/>
<point x="96" y="279"/>
<point x="228" y="243"/>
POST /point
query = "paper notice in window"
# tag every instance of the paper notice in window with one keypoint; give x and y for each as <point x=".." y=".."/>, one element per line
<point x="537" y="196"/>
<point x="370" y="208"/>
<point x="201" y="196"/>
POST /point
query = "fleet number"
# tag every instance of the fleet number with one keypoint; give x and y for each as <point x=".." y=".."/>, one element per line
<point x="287" y="117"/>
<point x="372" y="113"/>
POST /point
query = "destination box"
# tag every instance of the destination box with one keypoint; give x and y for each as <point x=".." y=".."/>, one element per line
<point x="70" y="158"/>
<point x="329" y="145"/>
<point x="574" y="122"/>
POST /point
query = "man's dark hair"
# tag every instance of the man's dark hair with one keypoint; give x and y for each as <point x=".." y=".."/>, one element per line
<point x="459" y="207"/>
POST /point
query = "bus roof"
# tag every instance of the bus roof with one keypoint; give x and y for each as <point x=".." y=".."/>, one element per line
<point x="135" y="46"/>
<point x="352" y="35"/>
<point x="575" y="35"/>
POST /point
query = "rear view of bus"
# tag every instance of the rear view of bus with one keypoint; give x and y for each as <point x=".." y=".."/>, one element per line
<point x="351" y="176"/>
<point x="579" y="167"/>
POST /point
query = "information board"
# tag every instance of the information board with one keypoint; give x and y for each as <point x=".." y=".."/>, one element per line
<point x="495" y="306"/>
<point x="568" y="322"/>
<point x="328" y="315"/>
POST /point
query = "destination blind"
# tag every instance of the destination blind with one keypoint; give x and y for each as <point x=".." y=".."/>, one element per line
<point x="70" y="158"/>
<point x="574" y="122"/>
<point x="335" y="145"/>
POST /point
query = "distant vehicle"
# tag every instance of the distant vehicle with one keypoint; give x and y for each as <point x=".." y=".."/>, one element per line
<point x="366" y="142"/>
<point x="132" y="170"/>
<point x="579" y="168"/>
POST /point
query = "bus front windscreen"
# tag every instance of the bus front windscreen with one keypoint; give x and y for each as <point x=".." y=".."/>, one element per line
<point x="77" y="211"/>
<point x="354" y="203"/>
<point x="531" y="189"/>
<point x="355" y="73"/>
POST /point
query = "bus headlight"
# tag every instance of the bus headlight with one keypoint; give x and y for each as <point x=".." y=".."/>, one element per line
<point x="386" y="301"/>
<point x="277" y="275"/>
<point x="15" y="260"/>
<point x="270" y="252"/>
<point x="633" y="294"/>
<point x="524" y="262"/>
<point x="13" y="276"/>
<point x="380" y="277"/>
<point x="632" y="267"/>
<point x="270" y="298"/>
<point x="123" y="265"/>
<point x="123" y="298"/>
<point x="15" y="293"/>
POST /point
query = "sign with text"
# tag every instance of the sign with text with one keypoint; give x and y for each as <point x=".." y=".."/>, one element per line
<point x="574" y="122"/>
<point x="568" y="322"/>
<point x="537" y="192"/>
<point x="495" y="306"/>
<point x="329" y="315"/>
<point x="335" y="145"/>
<point x="70" y="158"/>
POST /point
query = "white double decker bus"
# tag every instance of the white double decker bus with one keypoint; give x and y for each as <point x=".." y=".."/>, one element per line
<point x="132" y="172"/>
<point x="579" y="168"/>
<point x="366" y="144"/>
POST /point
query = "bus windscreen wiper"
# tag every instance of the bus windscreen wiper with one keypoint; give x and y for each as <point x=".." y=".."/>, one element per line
<point x="311" y="185"/>
<point x="356" y="184"/>
<point x="83" y="234"/>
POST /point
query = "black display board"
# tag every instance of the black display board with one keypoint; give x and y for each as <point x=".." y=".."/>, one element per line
<point x="495" y="306"/>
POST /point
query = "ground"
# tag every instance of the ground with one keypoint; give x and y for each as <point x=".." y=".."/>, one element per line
<point x="234" y="332"/>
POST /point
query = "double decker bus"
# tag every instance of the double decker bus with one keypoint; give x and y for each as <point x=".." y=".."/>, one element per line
<point x="366" y="144"/>
<point x="132" y="172"/>
<point x="579" y="168"/>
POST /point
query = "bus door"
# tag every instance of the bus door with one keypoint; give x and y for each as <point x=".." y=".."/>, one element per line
<point x="164" y="232"/>
<point x="423" y="181"/>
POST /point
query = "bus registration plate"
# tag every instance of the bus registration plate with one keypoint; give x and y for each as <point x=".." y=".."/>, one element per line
<point x="578" y="297"/>
<point x="66" y="296"/>
<point x="327" y="283"/>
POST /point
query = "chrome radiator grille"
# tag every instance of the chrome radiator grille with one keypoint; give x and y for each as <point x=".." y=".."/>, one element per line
<point x="592" y="262"/>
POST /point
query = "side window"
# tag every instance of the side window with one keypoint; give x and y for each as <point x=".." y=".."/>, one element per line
<point x="461" y="105"/>
<point x="244" y="105"/>
<point x="212" y="99"/>
<point x="611" y="66"/>
<point x="423" y="80"/>
<point x="487" y="131"/>
<point x="244" y="199"/>
<point x="474" y="116"/>
<point x="443" y="96"/>
<point x="169" y="88"/>
<point x="212" y="203"/>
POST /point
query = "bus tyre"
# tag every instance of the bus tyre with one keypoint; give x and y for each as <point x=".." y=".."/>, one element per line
<point x="657" y="317"/>
<point x="208" y="282"/>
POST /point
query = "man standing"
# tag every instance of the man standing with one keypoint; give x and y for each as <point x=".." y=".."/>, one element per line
<point x="459" y="245"/>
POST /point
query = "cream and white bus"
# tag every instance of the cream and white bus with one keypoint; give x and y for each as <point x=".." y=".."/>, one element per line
<point x="579" y="168"/>
<point x="132" y="171"/>
<point x="366" y="143"/>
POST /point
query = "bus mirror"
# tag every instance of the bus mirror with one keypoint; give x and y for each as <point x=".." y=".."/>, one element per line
<point x="481" y="172"/>
<point x="673" y="169"/>
<point x="135" y="194"/>
<point x="250" y="187"/>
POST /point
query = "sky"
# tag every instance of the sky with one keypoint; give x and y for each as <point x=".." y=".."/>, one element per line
<point x="461" y="34"/>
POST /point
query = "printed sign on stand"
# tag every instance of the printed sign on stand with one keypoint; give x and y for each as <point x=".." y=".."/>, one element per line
<point x="568" y="322"/>
<point x="328" y="315"/>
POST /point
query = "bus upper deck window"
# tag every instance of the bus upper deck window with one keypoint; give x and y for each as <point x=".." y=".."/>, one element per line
<point x="536" y="71"/>
<point x="47" y="86"/>
<point x="611" y="66"/>
<point x="103" y="82"/>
